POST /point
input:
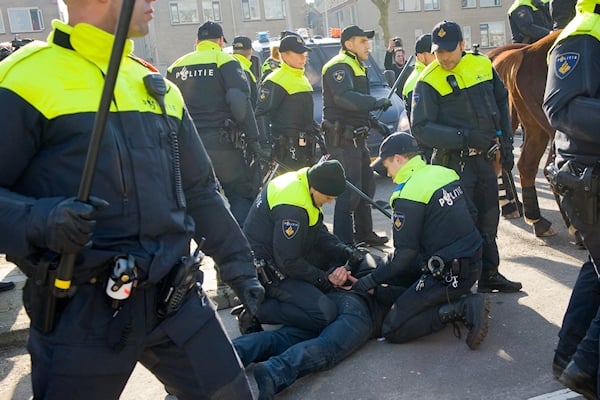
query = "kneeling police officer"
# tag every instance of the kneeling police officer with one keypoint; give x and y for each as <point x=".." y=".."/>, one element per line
<point x="430" y="220"/>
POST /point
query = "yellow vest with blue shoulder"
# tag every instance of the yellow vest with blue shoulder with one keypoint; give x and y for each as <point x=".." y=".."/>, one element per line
<point x="292" y="189"/>
<point x="207" y="52"/>
<point x="413" y="78"/>
<point x="586" y="22"/>
<point x="291" y="79"/>
<point x="472" y="70"/>
<point x="246" y="65"/>
<point x="418" y="181"/>
<point x="345" y="58"/>
<point x="519" y="3"/>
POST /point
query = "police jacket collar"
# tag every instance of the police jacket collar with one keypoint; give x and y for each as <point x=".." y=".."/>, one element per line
<point x="351" y="55"/>
<point x="208" y="45"/>
<point x="298" y="72"/>
<point x="414" y="164"/>
<point x="89" y="41"/>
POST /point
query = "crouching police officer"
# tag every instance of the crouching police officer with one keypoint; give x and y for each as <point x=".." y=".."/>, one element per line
<point x="159" y="185"/>
<point x="572" y="104"/>
<point x="285" y="107"/>
<point x="431" y="222"/>
<point x="299" y="256"/>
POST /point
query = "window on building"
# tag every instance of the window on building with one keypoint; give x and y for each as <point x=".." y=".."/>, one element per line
<point x="25" y="19"/>
<point x="211" y="10"/>
<point x="493" y="34"/>
<point x="466" y="30"/>
<point x="275" y="9"/>
<point x="489" y="3"/>
<point x="2" y="29"/>
<point x="468" y="3"/>
<point x="184" y="12"/>
<point x="431" y="5"/>
<point x="250" y="9"/>
<point x="409" y="5"/>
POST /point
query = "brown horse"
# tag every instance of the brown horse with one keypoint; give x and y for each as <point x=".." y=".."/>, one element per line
<point x="523" y="68"/>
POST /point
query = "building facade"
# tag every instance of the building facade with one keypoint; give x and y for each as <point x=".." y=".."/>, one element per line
<point x="175" y="23"/>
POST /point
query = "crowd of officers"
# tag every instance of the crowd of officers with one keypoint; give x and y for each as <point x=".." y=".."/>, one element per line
<point x="444" y="222"/>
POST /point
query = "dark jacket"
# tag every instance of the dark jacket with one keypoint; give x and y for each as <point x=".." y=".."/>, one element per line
<point x="529" y="20"/>
<point x="48" y="117"/>
<point x="572" y="98"/>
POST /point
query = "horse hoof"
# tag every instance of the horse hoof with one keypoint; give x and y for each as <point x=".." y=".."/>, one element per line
<point x="543" y="228"/>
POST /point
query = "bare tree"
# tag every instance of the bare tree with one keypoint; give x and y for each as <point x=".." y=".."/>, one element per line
<point x="384" y="11"/>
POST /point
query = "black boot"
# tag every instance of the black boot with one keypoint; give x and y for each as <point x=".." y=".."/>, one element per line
<point x="370" y="239"/>
<point x="559" y="363"/>
<point x="473" y="311"/>
<point x="579" y="381"/>
<point x="497" y="282"/>
<point x="6" y="286"/>
<point x="264" y="381"/>
<point x="248" y="323"/>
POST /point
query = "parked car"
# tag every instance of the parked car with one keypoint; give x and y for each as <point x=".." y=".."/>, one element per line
<point x="323" y="49"/>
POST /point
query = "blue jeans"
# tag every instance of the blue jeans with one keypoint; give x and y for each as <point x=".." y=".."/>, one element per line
<point x="292" y="353"/>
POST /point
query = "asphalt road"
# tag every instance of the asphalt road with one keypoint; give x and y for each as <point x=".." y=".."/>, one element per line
<point x="514" y="362"/>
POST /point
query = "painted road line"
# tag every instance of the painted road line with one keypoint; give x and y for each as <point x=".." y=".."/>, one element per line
<point x="563" y="394"/>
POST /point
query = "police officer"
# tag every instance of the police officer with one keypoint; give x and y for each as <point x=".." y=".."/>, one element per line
<point x="460" y="109"/>
<point x="346" y="122"/>
<point x="302" y="260"/>
<point x="271" y="63"/>
<point x="217" y="96"/>
<point x="285" y="107"/>
<point x="572" y="104"/>
<point x="529" y="20"/>
<point x="242" y="51"/>
<point x="424" y="58"/>
<point x="159" y="191"/>
<point x="431" y="222"/>
<point x="562" y="11"/>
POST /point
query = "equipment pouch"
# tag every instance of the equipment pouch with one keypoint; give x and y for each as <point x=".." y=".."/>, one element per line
<point x="182" y="277"/>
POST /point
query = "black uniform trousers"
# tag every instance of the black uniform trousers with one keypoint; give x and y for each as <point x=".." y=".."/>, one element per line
<point x="297" y="303"/>
<point x="480" y="184"/>
<point x="581" y="324"/>
<point x="240" y="184"/>
<point x="189" y="352"/>
<point x="415" y="313"/>
<point x="352" y="213"/>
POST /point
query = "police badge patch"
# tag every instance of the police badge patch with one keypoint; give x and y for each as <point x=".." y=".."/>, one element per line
<point x="565" y="64"/>
<point x="264" y="93"/>
<point x="398" y="220"/>
<point x="290" y="228"/>
<point x="339" y="75"/>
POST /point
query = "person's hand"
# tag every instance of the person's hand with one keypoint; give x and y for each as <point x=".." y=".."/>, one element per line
<point x="364" y="284"/>
<point x="391" y="45"/>
<point x="507" y="158"/>
<point x="250" y="292"/>
<point x="339" y="276"/>
<point x="70" y="224"/>
<point x="383" y="103"/>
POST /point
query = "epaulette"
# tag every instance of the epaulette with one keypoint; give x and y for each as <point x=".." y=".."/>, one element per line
<point x="17" y="56"/>
<point x="144" y="63"/>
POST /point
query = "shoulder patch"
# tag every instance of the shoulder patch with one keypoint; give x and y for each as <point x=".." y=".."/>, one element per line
<point x="264" y="93"/>
<point x="339" y="75"/>
<point x="565" y="64"/>
<point x="398" y="220"/>
<point x="290" y="227"/>
<point x="521" y="14"/>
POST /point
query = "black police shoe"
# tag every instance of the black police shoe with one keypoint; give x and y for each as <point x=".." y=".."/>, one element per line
<point x="579" y="381"/>
<point x="266" y="386"/>
<point x="370" y="239"/>
<point x="559" y="363"/>
<point x="498" y="282"/>
<point x="248" y="323"/>
<point x="6" y="286"/>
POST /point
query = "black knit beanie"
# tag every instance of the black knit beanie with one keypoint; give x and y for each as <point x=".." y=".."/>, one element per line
<point x="327" y="177"/>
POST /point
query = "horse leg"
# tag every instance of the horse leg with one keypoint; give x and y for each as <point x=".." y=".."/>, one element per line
<point x="528" y="163"/>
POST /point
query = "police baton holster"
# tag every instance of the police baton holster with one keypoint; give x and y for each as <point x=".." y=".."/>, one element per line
<point x="333" y="132"/>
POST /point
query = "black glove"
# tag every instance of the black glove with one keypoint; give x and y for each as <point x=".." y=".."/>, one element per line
<point x="250" y="292"/>
<point x="383" y="103"/>
<point x="364" y="284"/>
<point x="355" y="257"/>
<point x="69" y="225"/>
<point x="260" y="152"/>
<point x="480" y="140"/>
<point x="507" y="158"/>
